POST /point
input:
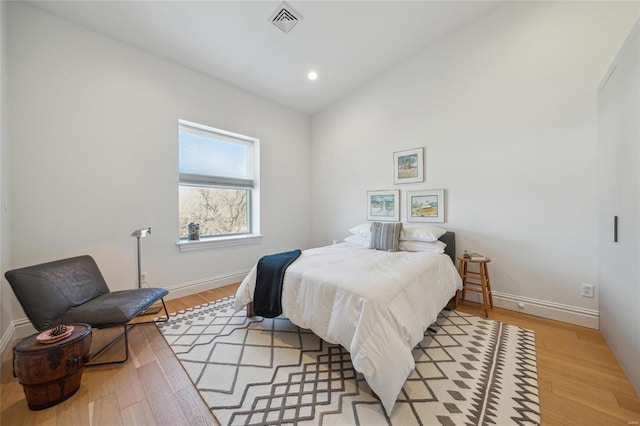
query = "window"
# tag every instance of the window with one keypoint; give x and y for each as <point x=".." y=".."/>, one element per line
<point x="218" y="183"/>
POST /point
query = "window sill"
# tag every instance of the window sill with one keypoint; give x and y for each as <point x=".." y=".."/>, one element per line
<point x="219" y="242"/>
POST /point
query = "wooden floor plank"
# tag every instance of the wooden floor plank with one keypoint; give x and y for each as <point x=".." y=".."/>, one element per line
<point x="106" y="412"/>
<point x="99" y="382"/>
<point x="563" y="411"/>
<point x="197" y="412"/>
<point x="597" y="399"/>
<point x="166" y="410"/>
<point x="46" y="417"/>
<point x="130" y="388"/>
<point x="75" y="410"/>
<point x="14" y="404"/>
<point x="173" y="371"/>
<point x="140" y="350"/>
<point x="138" y="414"/>
<point x="628" y="402"/>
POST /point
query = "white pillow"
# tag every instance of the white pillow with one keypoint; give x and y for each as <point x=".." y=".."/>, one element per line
<point x="435" y="247"/>
<point x="358" y="241"/>
<point x="424" y="233"/>
<point x="363" y="230"/>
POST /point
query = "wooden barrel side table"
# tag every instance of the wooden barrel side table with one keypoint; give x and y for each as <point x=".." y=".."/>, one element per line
<point x="51" y="373"/>
<point x="478" y="279"/>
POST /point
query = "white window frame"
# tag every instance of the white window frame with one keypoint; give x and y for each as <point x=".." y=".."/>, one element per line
<point x="253" y="202"/>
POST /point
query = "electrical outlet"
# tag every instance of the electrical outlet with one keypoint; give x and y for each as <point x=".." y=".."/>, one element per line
<point x="587" y="290"/>
<point x="143" y="278"/>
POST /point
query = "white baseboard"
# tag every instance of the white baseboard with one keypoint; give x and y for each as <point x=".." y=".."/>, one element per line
<point x="193" y="287"/>
<point x="542" y="308"/>
<point x="5" y="342"/>
<point x="23" y="328"/>
<point x="18" y="329"/>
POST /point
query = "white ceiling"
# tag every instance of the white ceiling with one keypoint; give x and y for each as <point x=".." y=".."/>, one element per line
<point x="347" y="42"/>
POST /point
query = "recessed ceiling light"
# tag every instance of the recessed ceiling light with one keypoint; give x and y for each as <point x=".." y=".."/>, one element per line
<point x="312" y="75"/>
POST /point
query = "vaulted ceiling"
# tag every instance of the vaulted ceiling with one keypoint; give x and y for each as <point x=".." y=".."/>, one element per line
<point x="346" y="42"/>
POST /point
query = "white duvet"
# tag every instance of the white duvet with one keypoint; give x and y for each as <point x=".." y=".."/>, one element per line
<point x="376" y="304"/>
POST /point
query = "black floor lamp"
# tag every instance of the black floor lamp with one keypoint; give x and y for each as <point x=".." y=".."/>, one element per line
<point x="141" y="233"/>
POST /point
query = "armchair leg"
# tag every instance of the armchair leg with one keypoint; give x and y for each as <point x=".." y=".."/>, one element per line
<point x="164" y="318"/>
<point x="125" y="334"/>
<point x="166" y="313"/>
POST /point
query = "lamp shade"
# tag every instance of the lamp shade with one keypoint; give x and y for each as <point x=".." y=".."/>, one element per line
<point x="141" y="233"/>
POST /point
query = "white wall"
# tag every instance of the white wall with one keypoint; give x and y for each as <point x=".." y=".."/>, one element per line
<point x="506" y="109"/>
<point x="94" y="153"/>
<point x="5" y="292"/>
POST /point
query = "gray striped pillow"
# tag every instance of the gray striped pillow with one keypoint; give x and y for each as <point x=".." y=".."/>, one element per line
<point x="385" y="236"/>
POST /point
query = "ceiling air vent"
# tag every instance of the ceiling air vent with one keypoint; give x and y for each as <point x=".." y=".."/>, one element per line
<point x="285" y="17"/>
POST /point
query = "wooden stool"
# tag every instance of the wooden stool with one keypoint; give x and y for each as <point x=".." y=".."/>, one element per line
<point x="481" y="280"/>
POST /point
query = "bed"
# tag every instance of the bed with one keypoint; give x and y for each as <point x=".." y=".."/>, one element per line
<point x="376" y="304"/>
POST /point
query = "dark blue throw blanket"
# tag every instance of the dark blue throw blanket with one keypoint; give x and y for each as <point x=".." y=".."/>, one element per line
<point x="267" y="297"/>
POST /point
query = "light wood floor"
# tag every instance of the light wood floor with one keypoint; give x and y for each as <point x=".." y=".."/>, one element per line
<point x="580" y="381"/>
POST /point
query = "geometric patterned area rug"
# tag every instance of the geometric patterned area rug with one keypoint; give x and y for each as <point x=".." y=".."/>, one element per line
<point x="255" y="371"/>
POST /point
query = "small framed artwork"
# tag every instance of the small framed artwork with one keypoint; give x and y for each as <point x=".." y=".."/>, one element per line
<point x="383" y="205"/>
<point x="408" y="166"/>
<point x="425" y="206"/>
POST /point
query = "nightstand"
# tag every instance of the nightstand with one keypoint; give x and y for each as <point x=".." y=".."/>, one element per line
<point x="477" y="281"/>
<point x="50" y="373"/>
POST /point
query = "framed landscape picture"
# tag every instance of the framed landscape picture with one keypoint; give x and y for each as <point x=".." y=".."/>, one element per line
<point x="383" y="205"/>
<point x="425" y="206"/>
<point x="408" y="166"/>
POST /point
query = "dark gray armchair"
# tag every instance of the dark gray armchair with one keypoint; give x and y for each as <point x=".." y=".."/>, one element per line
<point x="74" y="291"/>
